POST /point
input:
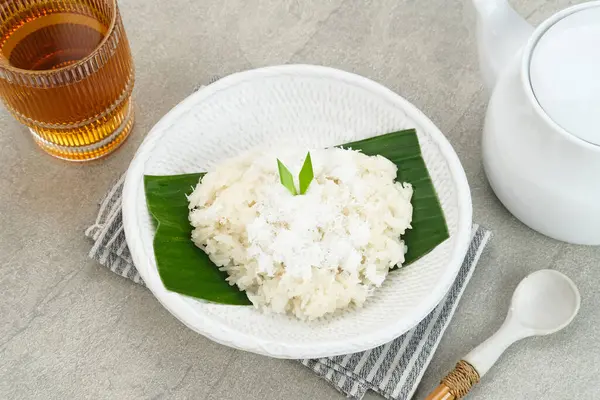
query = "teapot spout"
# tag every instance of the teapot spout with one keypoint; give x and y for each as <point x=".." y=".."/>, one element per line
<point x="501" y="33"/>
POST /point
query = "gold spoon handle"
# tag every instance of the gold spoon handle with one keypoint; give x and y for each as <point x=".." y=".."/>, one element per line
<point x="442" y="392"/>
<point x="457" y="383"/>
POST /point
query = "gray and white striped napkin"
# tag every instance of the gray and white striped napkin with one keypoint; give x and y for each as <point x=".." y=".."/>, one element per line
<point x="392" y="370"/>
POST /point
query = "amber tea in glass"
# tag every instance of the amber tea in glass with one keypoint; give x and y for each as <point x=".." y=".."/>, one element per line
<point x="66" y="72"/>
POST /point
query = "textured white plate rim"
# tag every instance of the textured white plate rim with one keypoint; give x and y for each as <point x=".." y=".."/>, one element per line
<point x="223" y="334"/>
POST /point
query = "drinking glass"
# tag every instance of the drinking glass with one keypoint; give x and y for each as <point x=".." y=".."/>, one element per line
<point x="66" y="72"/>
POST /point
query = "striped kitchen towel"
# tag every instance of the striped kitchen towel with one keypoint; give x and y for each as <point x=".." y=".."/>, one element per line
<point x="392" y="370"/>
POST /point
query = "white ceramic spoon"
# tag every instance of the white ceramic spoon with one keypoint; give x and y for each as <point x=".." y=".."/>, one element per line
<point x="544" y="302"/>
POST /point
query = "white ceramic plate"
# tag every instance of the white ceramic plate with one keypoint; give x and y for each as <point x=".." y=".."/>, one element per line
<point x="306" y="105"/>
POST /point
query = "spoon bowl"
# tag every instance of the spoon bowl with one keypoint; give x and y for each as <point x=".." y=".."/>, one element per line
<point x="545" y="302"/>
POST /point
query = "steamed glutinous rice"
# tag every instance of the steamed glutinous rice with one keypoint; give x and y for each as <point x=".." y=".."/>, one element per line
<point x="307" y="255"/>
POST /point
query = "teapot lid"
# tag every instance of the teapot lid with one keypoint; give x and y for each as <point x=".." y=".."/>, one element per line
<point x="564" y="72"/>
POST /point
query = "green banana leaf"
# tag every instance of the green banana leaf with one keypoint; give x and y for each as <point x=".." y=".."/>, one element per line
<point x="182" y="266"/>
<point x="187" y="270"/>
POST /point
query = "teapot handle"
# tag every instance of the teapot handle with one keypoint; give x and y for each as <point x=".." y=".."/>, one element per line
<point x="501" y="33"/>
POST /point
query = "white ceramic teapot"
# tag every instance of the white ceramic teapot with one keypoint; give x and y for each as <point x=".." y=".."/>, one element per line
<point x="541" y="140"/>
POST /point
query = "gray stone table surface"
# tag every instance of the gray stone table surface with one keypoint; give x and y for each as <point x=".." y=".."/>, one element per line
<point x="69" y="329"/>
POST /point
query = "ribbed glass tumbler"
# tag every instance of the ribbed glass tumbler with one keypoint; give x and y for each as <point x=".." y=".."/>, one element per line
<point x="66" y="72"/>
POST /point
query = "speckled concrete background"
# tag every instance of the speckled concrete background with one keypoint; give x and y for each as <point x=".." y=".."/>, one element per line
<point x="69" y="329"/>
